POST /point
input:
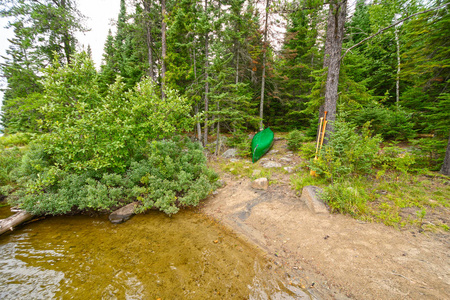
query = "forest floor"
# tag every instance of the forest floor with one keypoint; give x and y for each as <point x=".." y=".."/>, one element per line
<point x="333" y="256"/>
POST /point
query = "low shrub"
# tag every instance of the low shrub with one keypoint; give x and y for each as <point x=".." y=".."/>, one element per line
<point x="393" y="124"/>
<point x="172" y="175"/>
<point x="16" y="139"/>
<point x="347" y="152"/>
<point x="9" y="160"/>
<point x="241" y="141"/>
<point x="295" y="140"/>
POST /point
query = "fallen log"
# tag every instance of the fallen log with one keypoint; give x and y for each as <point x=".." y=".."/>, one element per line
<point x="14" y="220"/>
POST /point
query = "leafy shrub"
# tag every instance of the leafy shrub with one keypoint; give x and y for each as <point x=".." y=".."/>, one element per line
<point x="389" y="123"/>
<point x="343" y="197"/>
<point x="16" y="139"/>
<point x="240" y="140"/>
<point x="174" y="174"/>
<point x="295" y="139"/>
<point x="347" y="152"/>
<point x="396" y="158"/>
<point x="90" y="132"/>
<point x="9" y="160"/>
<point x="429" y="153"/>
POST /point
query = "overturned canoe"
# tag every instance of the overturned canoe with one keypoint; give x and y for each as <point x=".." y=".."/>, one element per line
<point x="261" y="143"/>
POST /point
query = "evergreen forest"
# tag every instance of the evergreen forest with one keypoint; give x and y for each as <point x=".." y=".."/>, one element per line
<point x="217" y="71"/>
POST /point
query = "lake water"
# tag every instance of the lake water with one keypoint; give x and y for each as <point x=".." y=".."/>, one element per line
<point x="151" y="256"/>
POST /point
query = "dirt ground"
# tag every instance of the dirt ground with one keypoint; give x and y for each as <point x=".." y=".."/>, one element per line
<point x="332" y="256"/>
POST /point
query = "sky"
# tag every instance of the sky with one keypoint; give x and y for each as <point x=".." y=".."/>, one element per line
<point x="99" y="14"/>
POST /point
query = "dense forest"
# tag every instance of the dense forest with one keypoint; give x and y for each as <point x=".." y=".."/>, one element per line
<point x="213" y="68"/>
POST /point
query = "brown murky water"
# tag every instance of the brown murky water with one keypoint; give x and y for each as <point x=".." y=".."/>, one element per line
<point x="186" y="256"/>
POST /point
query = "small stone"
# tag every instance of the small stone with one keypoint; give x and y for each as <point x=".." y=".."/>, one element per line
<point x="234" y="160"/>
<point x="273" y="151"/>
<point x="260" y="184"/>
<point x="229" y="153"/>
<point x="289" y="169"/>
<point x="286" y="159"/>
<point x="123" y="214"/>
<point x="215" y="193"/>
<point x="256" y="173"/>
<point x="310" y="195"/>
<point x="272" y="164"/>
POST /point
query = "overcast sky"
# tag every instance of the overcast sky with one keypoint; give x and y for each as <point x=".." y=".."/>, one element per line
<point x="99" y="14"/>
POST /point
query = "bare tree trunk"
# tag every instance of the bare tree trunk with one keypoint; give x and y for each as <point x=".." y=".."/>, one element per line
<point x="445" y="170"/>
<point x="397" y="84"/>
<point x="66" y="38"/>
<point x="147" y="9"/>
<point x="263" y="76"/>
<point x="218" y="131"/>
<point x="205" y="136"/>
<point x="199" y="126"/>
<point x="335" y="31"/>
<point x="163" y="46"/>
<point x="14" y="220"/>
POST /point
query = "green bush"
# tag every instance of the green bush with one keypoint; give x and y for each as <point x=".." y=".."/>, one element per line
<point x="9" y="160"/>
<point x="429" y="153"/>
<point x="90" y="132"/>
<point x="16" y="139"/>
<point x="396" y="158"/>
<point x="394" y="124"/>
<point x="173" y="174"/>
<point x="347" y="152"/>
<point x="343" y="197"/>
<point x="240" y="140"/>
<point x="295" y="139"/>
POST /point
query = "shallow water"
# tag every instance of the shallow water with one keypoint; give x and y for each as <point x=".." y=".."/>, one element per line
<point x="151" y="256"/>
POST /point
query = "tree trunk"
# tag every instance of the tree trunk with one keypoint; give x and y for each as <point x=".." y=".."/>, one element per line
<point x="205" y="136"/>
<point x="445" y="170"/>
<point x="163" y="46"/>
<point x="263" y="76"/>
<point x="199" y="126"/>
<point x="147" y="9"/>
<point x="397" y="84"/>
<point x="14" y="220"/>
<point x="66" y="38"/>
<point x="335" y="32"/>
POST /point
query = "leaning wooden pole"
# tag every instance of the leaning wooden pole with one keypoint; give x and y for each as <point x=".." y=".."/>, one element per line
<point x="9" y="223"/>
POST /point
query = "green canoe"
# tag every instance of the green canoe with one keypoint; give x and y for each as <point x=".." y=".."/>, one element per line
<point x="261" y="143"/>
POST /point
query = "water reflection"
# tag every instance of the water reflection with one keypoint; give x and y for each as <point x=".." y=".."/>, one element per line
<point x="152" y="256"/>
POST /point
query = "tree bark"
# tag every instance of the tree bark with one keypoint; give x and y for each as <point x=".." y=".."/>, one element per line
<point x="163" y="46"/>
<point x="335" y="32"/>
<point x="147" y="9"/>
<point x="205" y="136"/>
<point x="14" y="220"/>
<point x="263" y="76"/>
<point x="445" y="170"/>
<point x="397" y="83"/>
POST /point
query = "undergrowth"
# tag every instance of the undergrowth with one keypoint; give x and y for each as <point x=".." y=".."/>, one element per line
<point x="371" y="182"/>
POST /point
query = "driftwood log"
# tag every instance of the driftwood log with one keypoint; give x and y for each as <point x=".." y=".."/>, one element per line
<point x="14" y="220"/>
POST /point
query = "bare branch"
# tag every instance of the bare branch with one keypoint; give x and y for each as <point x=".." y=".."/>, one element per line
<point x="390" y="26"/>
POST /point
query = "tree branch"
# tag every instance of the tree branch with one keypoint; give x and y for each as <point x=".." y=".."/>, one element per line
<point x="390" y="26"/>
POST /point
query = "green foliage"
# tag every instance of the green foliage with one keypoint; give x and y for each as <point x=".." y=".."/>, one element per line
<point x="347" y="152"/>
<point x="429" y="153"/>
<point x="345" y="197"/>
<point x="396" y="158"/>
<point x="389" y="123"/>
<point x="9" y="160"/>
<point x="242" y="142"/>
<point x="17" y="139"/>
<point x="90" y="132"/>
<point x="173" y="174"/>
<point x="295" y="139"/>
